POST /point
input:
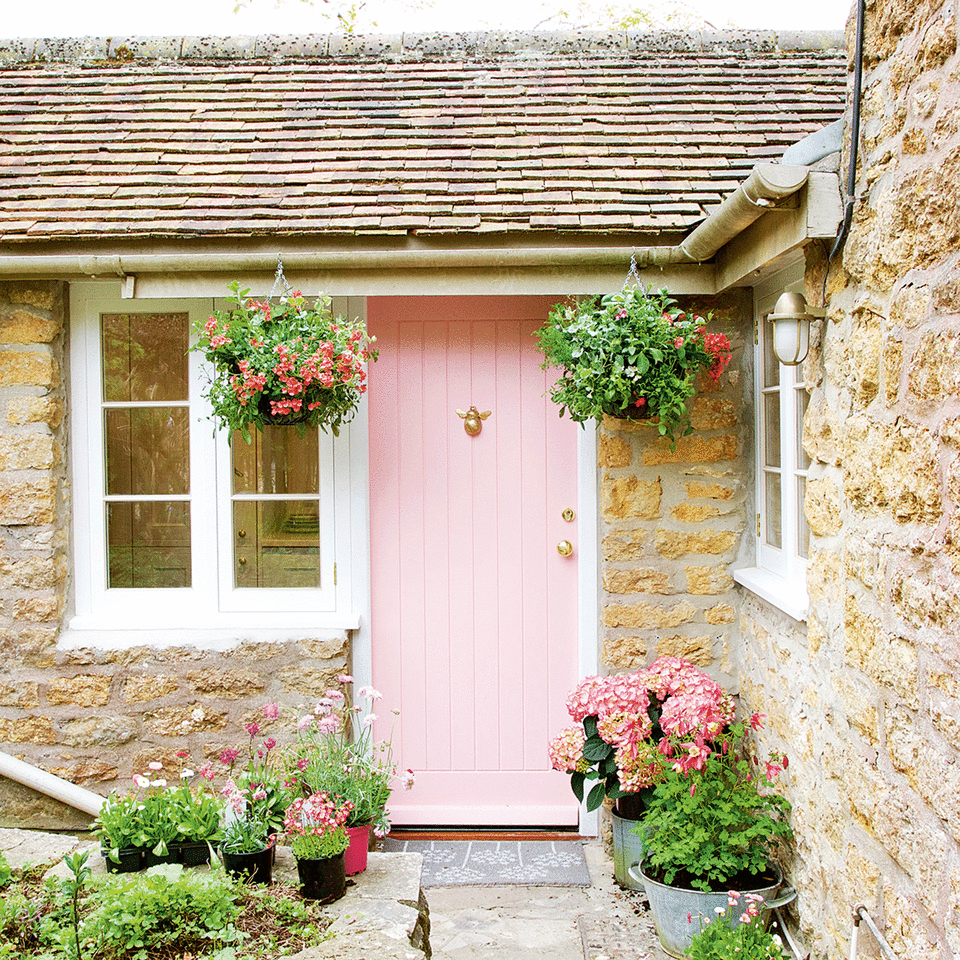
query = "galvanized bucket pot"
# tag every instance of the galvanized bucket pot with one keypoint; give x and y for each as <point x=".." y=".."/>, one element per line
<point x="627" y="849"/>
<point x="678" y="912"/>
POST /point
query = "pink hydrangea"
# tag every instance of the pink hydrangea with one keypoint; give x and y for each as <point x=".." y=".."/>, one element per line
<point x="566" y="751"/>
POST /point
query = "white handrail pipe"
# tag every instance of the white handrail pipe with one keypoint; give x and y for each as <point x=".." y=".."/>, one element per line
<point x="50" y="784"/>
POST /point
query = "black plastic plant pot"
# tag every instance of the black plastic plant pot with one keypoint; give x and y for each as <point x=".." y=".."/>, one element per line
<point x="256" y="866"/>
<point x="323" y="879"/>
<point x="191" y="854"/>
<point x="131" y="860"/>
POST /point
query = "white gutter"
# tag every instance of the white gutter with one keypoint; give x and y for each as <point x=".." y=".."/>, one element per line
<point x="767" y="184"/>
<point x="53" y="786"/>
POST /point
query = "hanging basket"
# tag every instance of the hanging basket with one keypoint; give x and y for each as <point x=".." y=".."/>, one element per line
<point x="281" y="419"/>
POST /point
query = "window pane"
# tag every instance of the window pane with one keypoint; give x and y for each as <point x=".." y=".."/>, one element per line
<point x="144" y="356"/>
<point x="277" y="461"/>
<point x="148" y="544"/>
<point x="277" y="543"/>
<point x="803" y="399"/>
<point x="147" y="451"/>
<point x="771" y="429"/>
<point x="803" y="529"/>
<point x="773" y="533"/>
<point x="771" y="366"/>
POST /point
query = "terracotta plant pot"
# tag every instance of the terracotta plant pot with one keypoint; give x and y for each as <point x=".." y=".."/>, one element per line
<point x="355" y="857"/>
<point x="323" y="879"/>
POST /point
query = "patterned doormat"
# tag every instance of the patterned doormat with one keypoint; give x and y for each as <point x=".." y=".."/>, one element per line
<point x="489" y="863"/>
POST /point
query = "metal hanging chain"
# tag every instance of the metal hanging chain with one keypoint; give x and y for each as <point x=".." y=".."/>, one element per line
<point x="277" y="280"/>
<point x="633" y="273"/>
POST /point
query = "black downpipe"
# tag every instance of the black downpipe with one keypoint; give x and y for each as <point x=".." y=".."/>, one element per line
<point x="851" y="196"/>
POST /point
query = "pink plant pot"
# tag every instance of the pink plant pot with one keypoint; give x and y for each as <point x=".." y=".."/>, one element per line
<point x="355" y="858"/>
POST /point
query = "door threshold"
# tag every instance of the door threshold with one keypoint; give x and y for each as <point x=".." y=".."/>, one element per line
<point x="483" y="833"/>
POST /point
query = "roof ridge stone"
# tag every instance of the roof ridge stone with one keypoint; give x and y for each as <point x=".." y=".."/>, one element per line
<point x="419" y="47"/>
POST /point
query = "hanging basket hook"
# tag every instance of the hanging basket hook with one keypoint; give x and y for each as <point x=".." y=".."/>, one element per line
<point x="278" y="280"/>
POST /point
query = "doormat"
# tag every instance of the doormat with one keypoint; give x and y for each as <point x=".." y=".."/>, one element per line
<point x="490" y="863"/>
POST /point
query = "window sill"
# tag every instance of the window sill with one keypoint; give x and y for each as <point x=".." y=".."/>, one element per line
<point x="788" y="596"/>
<point x="223" y="634"/>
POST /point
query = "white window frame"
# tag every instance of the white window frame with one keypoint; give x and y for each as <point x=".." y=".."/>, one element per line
<point x="212" y="602"/>
<point x="780" y="573"/>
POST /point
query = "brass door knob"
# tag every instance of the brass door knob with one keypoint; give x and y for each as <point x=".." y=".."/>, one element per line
<point x="242" y="561"/>
<point x="565" y="548"/>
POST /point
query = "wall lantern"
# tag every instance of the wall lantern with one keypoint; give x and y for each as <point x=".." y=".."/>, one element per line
<point x="791" y="328"/>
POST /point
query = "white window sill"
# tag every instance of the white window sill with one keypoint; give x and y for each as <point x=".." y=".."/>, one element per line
<point x="224" y="634"/>
<point x="786" y="595"/>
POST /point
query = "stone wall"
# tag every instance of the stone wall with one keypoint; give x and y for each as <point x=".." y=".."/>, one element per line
<point x="866" y="697"/>
<point x="93" y="715"/>
<point x="671" y="521"/>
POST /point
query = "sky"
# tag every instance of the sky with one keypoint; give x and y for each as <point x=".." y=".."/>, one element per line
<point x="113" y="18"/>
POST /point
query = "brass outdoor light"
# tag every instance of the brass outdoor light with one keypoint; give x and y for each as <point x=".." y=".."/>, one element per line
<point x="791" y="328"/>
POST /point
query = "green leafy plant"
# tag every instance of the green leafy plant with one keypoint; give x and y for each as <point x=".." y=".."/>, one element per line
<point x="286" y="361"/>
<point x="73" y="886"/>
<point x="337" y="754"/>
<point x="729" y="938"/>
<point x="139" y="916"/>
<point x="6" y="874"/>
<point x="624" y="720"/>
<point x="630" y="354"/>
<point x="314" y="827"/>
<point x="712" y="824"/>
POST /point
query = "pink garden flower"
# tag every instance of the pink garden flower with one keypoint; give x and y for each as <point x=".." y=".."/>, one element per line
<point x="271" y="711"/>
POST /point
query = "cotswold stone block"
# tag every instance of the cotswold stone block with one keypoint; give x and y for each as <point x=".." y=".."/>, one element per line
<point x="623" y="498"/>
<point x="922" y="601"/>
<point x="39" y="609"/>
<point x="48" y="410"/>
<point x="23" y="326"/>
<point x="28" y="368"/>
<point x="87" y="771"/>
<point x="692" y="449"/>
<point x="720" y="613"/>
<point x="860" y="634"/>
<point x="259" y="650"/>
<point x="27" y="501"/>
<point x="694" y="512"/>
<point x="822" y="507"/>
<point x="934" y="372"/>
<point x="623" y="544"/>
<point x="177" y="721"/>
<point x="708" y="580"/>
<point x="892" y="365"/>
<point x="891" y="467"/>
<point x="139" y="689"/>
<point x="43" y="296"/>
<point x="906" y="926"/>
<point x="29" y="451"/>
<point x="864" y="349"/>
<point x="821" y="430"/>
<point x="86" y="690"/>
<point x="714" y="491"/>
<point x="37" y="573"/>
<point x="712" y="413"/>
<point x="860" y="707"/>
<point x="30" y="729"/>
<point x="624" y="653"/>
<point x="613" y="451"/>
<point x="641" y="615"/>
<point x="309" y="681"/>
<point x="323" y="648"/>
<point x="21" y="693"/>
<point x="697" y="650"/>
<point x="99" y="731"/>
<point x="673" y="544"/>
<point x="642" y="580"/>
<point x="226" y="683"/>
<point x="911" y="306"/>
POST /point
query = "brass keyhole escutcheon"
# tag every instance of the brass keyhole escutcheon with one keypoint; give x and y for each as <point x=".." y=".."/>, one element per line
<point x="242" y="561"/>
<point x="568" y="515"/>
<point x="565" y="548"/>
<point x="473" y="420"/>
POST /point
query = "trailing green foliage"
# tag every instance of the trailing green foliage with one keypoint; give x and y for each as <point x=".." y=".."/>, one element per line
<point x="630" y="354"/>
<point x="726" y="938"/>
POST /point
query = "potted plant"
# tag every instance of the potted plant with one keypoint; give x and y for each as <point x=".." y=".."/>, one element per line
<point x="246" y="847"/>
<point x="337" y="755"/>
<point x="289" y="361"/>
<point x="315" y="829"/>
<point x="622" y="722"/>
<point x="737" y="932"/>
<point x="710" y="826"/>
<point x="631" y="354"/>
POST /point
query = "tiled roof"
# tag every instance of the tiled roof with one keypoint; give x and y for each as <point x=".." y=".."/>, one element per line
<point x="491" y="133"/>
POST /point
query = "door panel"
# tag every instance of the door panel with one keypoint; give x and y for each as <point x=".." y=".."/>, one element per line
<point x="474" y="612"/>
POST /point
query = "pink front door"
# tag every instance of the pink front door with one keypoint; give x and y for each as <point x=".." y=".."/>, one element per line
<point x="474" y="611"/>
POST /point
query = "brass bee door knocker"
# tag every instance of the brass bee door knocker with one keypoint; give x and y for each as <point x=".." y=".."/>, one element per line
<point x="473" y="419"/>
